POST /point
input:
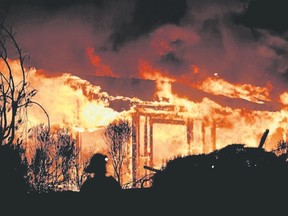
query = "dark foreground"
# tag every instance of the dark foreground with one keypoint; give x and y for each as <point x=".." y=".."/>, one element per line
<point x="228" y="201"/>
<point x="232" y="181"/>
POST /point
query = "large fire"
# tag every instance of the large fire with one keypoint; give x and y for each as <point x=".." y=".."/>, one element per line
<point x="248" y="92"/>
<point x="79" y="104"/>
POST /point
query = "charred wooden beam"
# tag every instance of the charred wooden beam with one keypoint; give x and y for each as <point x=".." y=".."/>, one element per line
<point x="203" y="136"/>
<point x="162" y="115"/>
<point x="151" y="169"/>
<point x="213" y="136"/>
<point x="146" y="136"/>
<point x="167" y="121"/>
<point x="263" y="138"/>
<point x="151" y="143"/>
<point x="190" y="134"/>
<point x="134" y="147"/>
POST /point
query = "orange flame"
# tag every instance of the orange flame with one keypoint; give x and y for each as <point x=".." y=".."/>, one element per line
<point x="147" y="71"/>
<point x="248" y="92"/>
<point x="195" y="69"/>
<point x="284" y="98"/>
<point x="101" y="69"/>
<point x="76" y="103"/>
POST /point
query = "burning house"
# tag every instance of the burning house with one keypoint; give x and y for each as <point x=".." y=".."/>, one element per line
<point x="168" y="117"/>
<point x="190" y="78"/>
<point x="166" y="124"/>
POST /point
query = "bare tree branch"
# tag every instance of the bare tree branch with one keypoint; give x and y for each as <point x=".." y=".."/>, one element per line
<point x="15" y="98"/>
<point x="116" y="136"/>
<point x="55" y="165"/>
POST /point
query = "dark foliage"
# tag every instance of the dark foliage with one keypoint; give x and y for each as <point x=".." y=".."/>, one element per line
<point x="234" y="169"/>
<point x="13" y="171"/>
<point x="243" y="180"/>
<point x="55" y="165"/>
<point x="282" y="149"/>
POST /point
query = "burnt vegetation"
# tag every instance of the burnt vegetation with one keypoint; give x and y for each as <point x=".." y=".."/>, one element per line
<point x="55" y="164"/>
<point x="117" y="136"/>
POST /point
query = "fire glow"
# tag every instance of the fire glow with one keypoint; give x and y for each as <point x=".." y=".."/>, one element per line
<point x="76" y="103"/>
<point x="83" y="96"/>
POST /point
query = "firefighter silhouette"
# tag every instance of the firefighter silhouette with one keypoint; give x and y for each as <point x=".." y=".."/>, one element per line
<point x="98" y="182"/>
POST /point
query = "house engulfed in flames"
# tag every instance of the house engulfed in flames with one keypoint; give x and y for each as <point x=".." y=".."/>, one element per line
<point x="171" y="125"/>
<point x="169" y="117"/>
<point x="146" y="115"/>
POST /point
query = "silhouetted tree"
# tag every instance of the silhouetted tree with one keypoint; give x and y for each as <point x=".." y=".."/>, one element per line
<point x="15" y="92"/>
<point x="117" y="135"/>
<point x="81" y="175"/>
<point x="16" y="96"/>
<point x="55" y="165"/>
<point x="41" y="165"/>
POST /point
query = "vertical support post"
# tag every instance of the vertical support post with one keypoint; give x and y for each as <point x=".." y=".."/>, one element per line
<point x="146" y="143"/>
<point x="189" y="132"/>
<point x="134" y="150"/>
<point x="203" y="136"/>
<point x="145" y="136"/>
<point x="213" y="135"/>
<point x="151" y="142"/>
<point x="79" y="145"/>
<point x="137" y="124"/>
<point x="285" y="136"/>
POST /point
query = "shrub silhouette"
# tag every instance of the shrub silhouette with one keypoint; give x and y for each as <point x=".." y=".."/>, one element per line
<point x="13" y="171"/>
<point x="233" y="167"/>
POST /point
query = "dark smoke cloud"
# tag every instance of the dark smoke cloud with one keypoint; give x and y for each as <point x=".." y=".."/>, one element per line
<point x="148" y="15"/>
<point x="48" y="5"/>
<point x="266" y="14"/>
<point x="219" y="36"/>
<point x="56" y="35"/>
